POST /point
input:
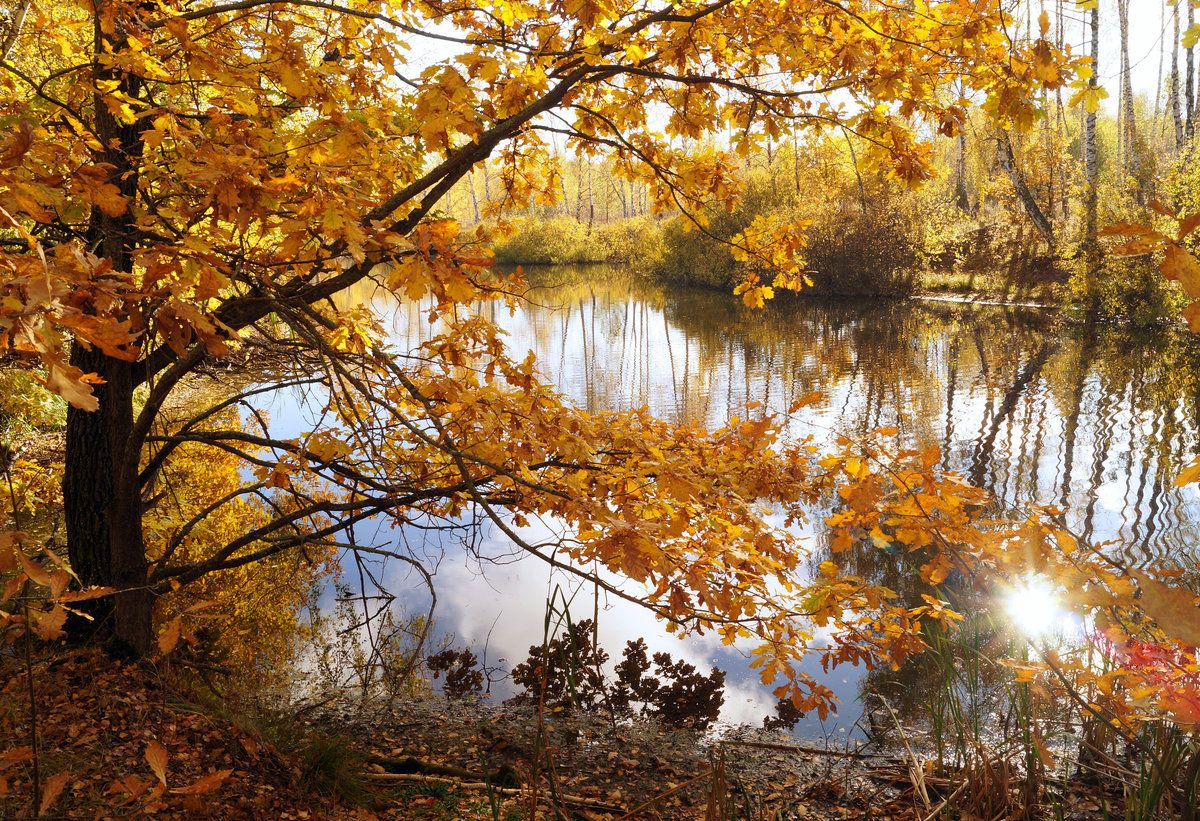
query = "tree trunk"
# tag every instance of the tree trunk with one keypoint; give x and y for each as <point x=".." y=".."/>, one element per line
<point x="1155" y="132"/>
<point x="1091" y="245"/>
<point x="1189" y="86"/>
<point x="1176" y="108"/>
<point x="16" y="22"/>
<point x="102" y="507"/>
<point x="1009" y="163"/>
<point x="474" y="196"/>
<point x="101" y="498"/>
<point x="578" y="188"/>
<point x="962" y="197"/>
<point x="1129" y="133"/>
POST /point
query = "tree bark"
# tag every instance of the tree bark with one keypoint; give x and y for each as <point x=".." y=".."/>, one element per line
<point x="1009" y="163"/>
<point x="1176" y="108"/>
<point x="1129" y="133"/>
<point x="961" y="195"/>
<point x="101" y="498"/>
<point x="474" y="196"/>
<point x="16" y="23"/>
<point x="1091" y="245"/>
<point x="1189" y="86"/>
<point x="102" y="507"/>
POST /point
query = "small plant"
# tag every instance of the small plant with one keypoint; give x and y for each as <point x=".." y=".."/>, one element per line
<point x="677" y="694"/>
<point x="463" y="678"/>
<point x="330" y="765"/>
<point x="572" y="665"/>
<point x="569" y="668"/>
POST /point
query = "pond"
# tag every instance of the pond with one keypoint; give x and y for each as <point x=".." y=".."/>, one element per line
<point x="1097" y="421"/>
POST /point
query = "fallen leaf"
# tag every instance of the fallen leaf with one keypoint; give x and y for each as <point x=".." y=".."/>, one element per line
<point x="169" y="637"/>
<point x="156" y="757"/>
<point x="52" y="789"/>
<point x="16" y="755"/>
<point x="206" y="784"/>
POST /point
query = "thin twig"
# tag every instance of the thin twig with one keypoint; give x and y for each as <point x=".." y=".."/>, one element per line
<point x="421" y="778"/>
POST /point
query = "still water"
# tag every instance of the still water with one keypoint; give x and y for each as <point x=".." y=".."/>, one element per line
<point x="1096" y="421"/>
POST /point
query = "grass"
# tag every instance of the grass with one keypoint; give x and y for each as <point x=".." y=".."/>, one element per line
<point x="327" y="762"/>
<point x="993" y="285"/>
<point x="1015" y="749"/>
<point x="446" y="802"/>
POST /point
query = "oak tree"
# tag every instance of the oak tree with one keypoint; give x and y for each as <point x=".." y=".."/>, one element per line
<point x="183" y="182"/>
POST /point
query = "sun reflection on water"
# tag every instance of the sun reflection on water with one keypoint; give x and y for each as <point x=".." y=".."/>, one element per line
<point x="1034" y="606"/>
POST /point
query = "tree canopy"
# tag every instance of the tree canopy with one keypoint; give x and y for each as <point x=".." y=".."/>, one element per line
<point x="181" y="182"/>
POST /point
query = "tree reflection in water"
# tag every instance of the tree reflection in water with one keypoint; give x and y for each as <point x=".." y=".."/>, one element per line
<point x="1096" y="420"/>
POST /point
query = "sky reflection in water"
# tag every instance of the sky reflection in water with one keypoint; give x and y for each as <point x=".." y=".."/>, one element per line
<point x="1098" y="423"/>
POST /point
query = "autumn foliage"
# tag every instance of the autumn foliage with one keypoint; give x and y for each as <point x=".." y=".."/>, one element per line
<point x="183" y="183"/>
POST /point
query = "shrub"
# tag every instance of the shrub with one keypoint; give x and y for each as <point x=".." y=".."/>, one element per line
<point x="678" y="694"/>
<point x="559" y="240"/>
<point x="695" y="258"/>
<point x="572" y="669"/>
<point x="850" y="251"/>
<point x="545" y="241"/>
<point x="1127" y="289"/>
<point x="698" y="257"/>
<point x="464" y="679"/>
<point x="566" y="672"/>
<point x="872" y="252"/>
<point x="637" y="241"/>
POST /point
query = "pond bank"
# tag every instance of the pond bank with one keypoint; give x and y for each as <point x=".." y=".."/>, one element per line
<point x="645" y="771"/>
<point x="157" y="741"/>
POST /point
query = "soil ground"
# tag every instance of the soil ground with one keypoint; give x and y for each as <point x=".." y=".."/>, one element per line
<point x="117" y="740"/>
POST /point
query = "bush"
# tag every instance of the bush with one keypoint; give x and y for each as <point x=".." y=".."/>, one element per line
<point x="546" y="241"/>
<point x="1127" y="289"/>
<point x="703" y="257"/>
<point x="877" y="252"/>
<point x="677" y="694"/>
<point x="637" y="241"/>
<point x="570" y="669"/>
<point x="565" y="240"/>
<point x="849" y="251"/>
<point x="566" y="672"/>
<point x="694" y="258"/>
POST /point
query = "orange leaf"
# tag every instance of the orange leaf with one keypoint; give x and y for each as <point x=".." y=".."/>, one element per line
<point x="20" y="144"/>
<point x="156" y="757"/>
<point x="69" y="383"/>
<point x="49" y="625"/>
<point x="1181" y="265"/>
<point x="206" y="784"/>
<point x="92" y="183"/>
<point x="51" y="791"/>
<point x="1189" y="474"/>
<point x="805" y="400"/>
<point x="1188" y="225"/>
<point x="17" y="755"/>
<point x="1172" y="608"/>
<point x="169" y="637"/>
<point x="86" y="594"/>
<point x="34" y="570"/>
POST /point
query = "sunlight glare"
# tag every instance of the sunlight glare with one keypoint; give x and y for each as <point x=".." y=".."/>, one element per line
<point x="1033" y="607"/>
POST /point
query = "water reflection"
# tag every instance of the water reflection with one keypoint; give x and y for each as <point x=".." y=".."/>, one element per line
<point x="1098" y="421"/>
